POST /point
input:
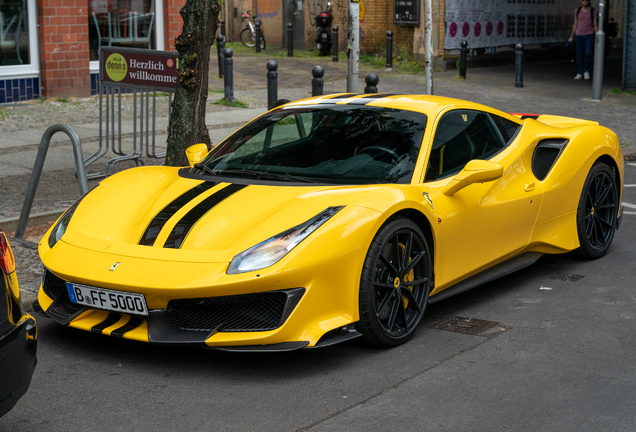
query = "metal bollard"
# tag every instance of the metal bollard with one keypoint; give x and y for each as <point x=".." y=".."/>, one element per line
<point x="223" y="27"/>
<point x="290" y="40"/>
<point x="519" y="65"/>
<point x="272" y="84"/>
<point x="389" y="51"/>
<point x="334" y="32"/>
<point x="372" y="81"/>
<point x="220" y="49"/>
<point x="317" y="83"/>
<point x="229" y="79"/>
<point x="258" y="36"/>
<point x="462" y="59"/>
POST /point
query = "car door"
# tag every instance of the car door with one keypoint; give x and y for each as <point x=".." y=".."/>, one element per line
<point x="483" y="223"/>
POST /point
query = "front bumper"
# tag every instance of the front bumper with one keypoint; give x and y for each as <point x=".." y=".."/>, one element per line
<point x="316" y="301"/>
<point x="184" y="322"/>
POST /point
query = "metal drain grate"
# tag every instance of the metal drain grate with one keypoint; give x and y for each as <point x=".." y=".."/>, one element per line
<point x="469" y="326"/>
<point x="631" y="158"/>
<point x="567" y="277"/>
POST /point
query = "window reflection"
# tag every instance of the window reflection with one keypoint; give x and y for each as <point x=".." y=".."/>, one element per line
<point x="14" y="33"/>
<point x="121" y="23"/>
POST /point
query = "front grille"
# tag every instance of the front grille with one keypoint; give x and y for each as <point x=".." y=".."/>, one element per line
<point x="53" y="286"/>
<point x="239" y="313"/>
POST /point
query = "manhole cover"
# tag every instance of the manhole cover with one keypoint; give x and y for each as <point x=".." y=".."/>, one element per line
<point x="568" y="277"/>
<point x="469" y="326"/>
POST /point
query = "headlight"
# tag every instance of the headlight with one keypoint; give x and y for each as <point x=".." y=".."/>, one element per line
<point x="274" y="249"/>
<point x="60" y="227"/>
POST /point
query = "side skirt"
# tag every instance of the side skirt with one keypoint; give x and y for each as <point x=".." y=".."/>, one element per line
<point x="502" y="269"/>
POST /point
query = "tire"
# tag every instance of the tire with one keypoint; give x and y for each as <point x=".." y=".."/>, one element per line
<point x="325" y="48"/>
<point x="597" y="212"/>
<point x="247" y="38"/>
<point x="394" y="295"/>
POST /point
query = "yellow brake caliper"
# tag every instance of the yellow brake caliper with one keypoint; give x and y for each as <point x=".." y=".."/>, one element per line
<point x="409" y="277"/>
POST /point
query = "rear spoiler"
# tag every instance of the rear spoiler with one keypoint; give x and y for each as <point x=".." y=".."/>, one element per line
<point x="553" y="120"/>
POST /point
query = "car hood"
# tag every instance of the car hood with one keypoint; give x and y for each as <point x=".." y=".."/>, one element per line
<point x="193" y="215"/>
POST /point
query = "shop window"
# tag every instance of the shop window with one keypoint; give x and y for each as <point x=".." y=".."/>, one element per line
<point x="14" y="33"/>
<point x="129" y="23"/>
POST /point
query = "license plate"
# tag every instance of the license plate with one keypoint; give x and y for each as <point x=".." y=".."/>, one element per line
<point x="111" y="300"/>
<point x="324" y="35"/>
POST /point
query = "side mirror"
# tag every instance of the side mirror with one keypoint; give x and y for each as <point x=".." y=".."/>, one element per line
<point x="196" y="153"/>
<point x="475" y="171"/>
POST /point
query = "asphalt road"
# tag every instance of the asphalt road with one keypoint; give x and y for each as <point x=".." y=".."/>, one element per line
<point x="560" y="359"/>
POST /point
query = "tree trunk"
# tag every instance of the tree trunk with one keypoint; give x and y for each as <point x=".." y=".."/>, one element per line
<point x="187" y="120"/>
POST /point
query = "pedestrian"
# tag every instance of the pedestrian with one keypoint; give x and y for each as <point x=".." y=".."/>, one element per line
<point x="583" y="31"/>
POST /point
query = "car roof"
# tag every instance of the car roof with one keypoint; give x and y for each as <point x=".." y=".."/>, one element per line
<point x="429" y="105"/>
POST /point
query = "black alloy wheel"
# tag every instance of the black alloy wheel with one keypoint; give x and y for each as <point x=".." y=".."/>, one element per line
<point x="597" y="212"/>
<point x="395" y="284"/>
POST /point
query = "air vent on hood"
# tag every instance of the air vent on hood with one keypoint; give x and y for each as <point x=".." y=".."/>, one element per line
<point x="545" y="155"/>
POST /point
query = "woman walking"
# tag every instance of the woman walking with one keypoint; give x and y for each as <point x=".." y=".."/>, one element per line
<point x="583" y="31"/>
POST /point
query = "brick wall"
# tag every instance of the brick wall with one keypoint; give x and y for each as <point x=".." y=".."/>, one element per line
<point x="172" y="22"/>
<point x="378" y="19"/>
<point x="64" y="51"/>
<point x="271" y="14"/>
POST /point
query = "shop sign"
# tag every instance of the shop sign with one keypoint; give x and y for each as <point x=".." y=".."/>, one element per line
<point x="138" y="68"/>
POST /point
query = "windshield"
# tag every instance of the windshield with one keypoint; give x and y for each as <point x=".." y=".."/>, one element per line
<point x="334" y="144"/>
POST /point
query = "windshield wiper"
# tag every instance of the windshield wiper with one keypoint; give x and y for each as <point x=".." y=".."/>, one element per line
<point x="203" y="167"/>
<point x="266" y="175"/>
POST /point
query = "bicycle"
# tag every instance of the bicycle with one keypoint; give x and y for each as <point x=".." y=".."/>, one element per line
<point x="248" y="34"/>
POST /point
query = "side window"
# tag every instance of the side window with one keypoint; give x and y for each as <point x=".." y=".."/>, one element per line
<point x="461" y="136"/>
<point x="507" y="128"/>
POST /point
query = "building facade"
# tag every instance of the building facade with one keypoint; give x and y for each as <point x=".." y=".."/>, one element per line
<point x="49" y="48"/>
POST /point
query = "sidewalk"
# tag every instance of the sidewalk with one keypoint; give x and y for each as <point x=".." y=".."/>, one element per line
<point x="548" y="88"/>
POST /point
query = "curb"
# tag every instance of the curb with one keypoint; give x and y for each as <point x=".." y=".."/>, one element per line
<point x="10" y="224"/>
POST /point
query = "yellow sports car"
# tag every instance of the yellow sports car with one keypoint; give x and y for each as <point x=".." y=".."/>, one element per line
<point x="328" y="219"/>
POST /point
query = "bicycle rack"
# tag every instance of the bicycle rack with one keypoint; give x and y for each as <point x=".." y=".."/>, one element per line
<point x="39" y="164"/>
<point x="110" y="129"/>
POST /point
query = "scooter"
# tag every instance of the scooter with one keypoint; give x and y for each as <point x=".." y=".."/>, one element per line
<point x="323" y="30"/>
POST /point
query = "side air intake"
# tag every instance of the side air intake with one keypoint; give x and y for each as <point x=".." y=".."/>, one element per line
<point x="545" y="155"/>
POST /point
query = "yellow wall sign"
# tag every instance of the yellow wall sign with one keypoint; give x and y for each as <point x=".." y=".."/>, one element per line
<point x="362" y="8"/>
<point x="116" y="67"/>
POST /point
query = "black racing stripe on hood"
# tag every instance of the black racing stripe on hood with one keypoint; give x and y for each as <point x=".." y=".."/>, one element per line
<point x="109" y="321"/>
<point x="132" y="324"/>
<point x="153" y="230"/>
<point x="183" y="227"/>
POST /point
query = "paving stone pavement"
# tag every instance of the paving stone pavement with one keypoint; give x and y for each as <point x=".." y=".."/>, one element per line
<point x="548" y="88"/>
